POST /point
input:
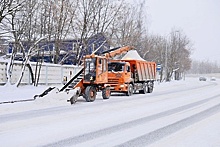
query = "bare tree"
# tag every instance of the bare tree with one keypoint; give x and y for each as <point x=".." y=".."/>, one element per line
<point x="204" y="67"/>
<point x="178" y="55"/>
<point x="7" y="7"/>
<point x="171" y="52"/>
<point x="128" y="27"/>
<point x="10" y="20"/>
<point x="32" y="50"/>
<point x="123" y="23"/>
<point x="55" y="20"/>
<point x="155" y="50"/>
<point x="22" y="22"/>
<point x="93" y="17"/>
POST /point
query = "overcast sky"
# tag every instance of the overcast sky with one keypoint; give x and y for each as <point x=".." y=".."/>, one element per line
<point x="198" y="19"/>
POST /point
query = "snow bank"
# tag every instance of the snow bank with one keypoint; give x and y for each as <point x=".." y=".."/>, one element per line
<point x="56" y="98"/>
<point x="13" y="93"/>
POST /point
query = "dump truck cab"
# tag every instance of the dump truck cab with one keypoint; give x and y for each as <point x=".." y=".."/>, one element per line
<point x="119" y="76"/>
<point x="131" y="76"/>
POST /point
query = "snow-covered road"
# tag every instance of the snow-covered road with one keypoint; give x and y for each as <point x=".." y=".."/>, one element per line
<point x="179" y="113"/>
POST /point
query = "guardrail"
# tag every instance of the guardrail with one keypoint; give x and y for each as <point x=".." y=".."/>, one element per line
<point x="49" y="74"/>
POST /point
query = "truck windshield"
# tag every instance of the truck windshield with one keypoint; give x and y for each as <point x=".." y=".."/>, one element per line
<point x="116" y="67"/>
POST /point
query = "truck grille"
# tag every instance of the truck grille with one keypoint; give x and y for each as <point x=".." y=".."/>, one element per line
<point x="112" y="81"/>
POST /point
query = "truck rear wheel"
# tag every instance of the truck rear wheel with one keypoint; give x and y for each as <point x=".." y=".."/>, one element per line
<point x="106" y="93"/>
<point x="150" y="87"/>
<point x="145" y="89"/>
<point x="90" y="93"/>
<point x="130" y="90"/>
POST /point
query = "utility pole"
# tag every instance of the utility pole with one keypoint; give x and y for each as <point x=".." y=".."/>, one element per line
<point x="166" y="62"/>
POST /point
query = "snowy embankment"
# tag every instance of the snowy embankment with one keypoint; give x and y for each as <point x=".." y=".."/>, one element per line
<point x="178" y="113"/>
<point x="12" y="98"/>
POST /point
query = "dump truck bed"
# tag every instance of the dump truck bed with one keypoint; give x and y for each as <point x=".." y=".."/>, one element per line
<point x="143" y="70"/>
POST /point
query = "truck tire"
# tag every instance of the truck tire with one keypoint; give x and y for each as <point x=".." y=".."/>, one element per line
<point x="150" y="87"/>
<point x="90" y="93"/>
<point x="130" y="90"/>
<point x="145" y="89"/>
<point x="106" y="93"/>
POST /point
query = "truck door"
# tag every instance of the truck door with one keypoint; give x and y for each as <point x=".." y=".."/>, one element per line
<point x="102" y="73"/>
<point x="127" y="73"/>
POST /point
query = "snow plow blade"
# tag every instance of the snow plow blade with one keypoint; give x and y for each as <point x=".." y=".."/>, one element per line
<point x="75" y="95"/>
<point x="60" y="97"/>
<point x="44" y="93"/>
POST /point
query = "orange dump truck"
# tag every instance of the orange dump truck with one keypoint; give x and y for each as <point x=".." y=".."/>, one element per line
<point x="130" y="76"/>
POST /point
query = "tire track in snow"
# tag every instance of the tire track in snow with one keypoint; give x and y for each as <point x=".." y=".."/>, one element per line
<point x="156" y="134"/>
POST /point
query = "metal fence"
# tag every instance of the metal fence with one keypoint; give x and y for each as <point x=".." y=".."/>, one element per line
<point x="49" y="73"/>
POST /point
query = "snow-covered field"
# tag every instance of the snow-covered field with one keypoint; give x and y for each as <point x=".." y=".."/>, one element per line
<point x="178" y="113"/>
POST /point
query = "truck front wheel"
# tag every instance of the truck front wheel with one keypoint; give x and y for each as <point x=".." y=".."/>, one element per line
<point x="90" y="93"/>
<point x="130" y="90"/>
<point x="106" y="93"/>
